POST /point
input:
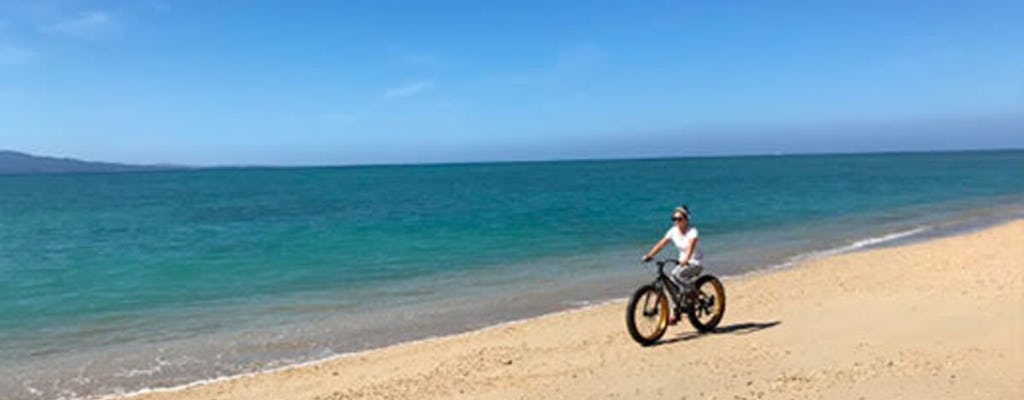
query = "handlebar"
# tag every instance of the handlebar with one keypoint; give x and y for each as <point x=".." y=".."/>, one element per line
<point x="662" y="263"/>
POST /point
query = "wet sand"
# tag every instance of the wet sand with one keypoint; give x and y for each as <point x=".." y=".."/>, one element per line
<point x="938" y="319"/>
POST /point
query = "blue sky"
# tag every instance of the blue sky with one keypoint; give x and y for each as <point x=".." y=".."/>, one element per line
<point x="300" y="83"/>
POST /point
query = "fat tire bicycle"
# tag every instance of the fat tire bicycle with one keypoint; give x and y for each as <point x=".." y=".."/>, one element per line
<point x="647" y="314"/>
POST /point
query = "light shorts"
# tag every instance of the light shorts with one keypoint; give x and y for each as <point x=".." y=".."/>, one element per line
<point x="688" y="271"/>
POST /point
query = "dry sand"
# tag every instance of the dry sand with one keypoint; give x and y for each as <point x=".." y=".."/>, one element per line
<point x="935" y="320"/>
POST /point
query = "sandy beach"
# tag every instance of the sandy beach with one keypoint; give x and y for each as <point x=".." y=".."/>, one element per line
<point x="937" y="319"/>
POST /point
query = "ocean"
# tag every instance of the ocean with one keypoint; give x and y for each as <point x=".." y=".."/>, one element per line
<point x="116" y="283"/>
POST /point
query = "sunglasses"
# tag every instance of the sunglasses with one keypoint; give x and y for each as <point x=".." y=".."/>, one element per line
<point x="678" y="218"/>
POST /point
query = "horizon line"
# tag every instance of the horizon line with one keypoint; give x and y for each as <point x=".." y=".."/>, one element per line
<point x="165" y="167"/>
<point x="601" y="159"/>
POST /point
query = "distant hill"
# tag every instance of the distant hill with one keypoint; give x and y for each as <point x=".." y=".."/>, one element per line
<point x="13" y="162"/>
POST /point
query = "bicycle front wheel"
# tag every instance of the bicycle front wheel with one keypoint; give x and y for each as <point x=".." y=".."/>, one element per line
<point x="647" y="315"/>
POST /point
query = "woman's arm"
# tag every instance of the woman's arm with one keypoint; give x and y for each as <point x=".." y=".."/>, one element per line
<point x="654" y="250"/>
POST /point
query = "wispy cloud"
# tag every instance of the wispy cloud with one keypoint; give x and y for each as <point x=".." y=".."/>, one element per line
<point x="410" y="89"/>
<point x="91" y="25"/>
<point x="12" y="55"/>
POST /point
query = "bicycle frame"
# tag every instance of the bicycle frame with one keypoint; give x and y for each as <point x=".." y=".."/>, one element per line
<point x="664" y="283"/>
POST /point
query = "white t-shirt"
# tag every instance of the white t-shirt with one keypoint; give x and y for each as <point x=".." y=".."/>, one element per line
<point x="682" y="242"/>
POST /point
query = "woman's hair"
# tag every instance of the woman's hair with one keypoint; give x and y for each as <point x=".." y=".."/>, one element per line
<point x="683" y="209"/>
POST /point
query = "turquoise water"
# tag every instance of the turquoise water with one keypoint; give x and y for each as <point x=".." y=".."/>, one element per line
<point x="116" y="282"/>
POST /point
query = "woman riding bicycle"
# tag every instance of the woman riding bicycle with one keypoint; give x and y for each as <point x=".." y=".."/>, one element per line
<point x="684" y="237"/>
<point x="701" y="297"/>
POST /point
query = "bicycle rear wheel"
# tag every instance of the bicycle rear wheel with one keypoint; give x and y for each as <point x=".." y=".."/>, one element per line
<point x="647" y="315"/>
<point x="709" y="305"/>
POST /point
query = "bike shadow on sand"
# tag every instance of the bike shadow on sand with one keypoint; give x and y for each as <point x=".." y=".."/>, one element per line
<point x="743" y="328"/>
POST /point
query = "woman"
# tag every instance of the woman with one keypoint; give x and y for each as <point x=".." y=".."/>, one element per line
<point x="684" y="237"/>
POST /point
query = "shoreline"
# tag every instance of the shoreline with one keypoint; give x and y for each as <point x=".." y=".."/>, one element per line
<point x="300" y="368"/>
<point x="331" y="358"/>
<point x="898" y="238"/>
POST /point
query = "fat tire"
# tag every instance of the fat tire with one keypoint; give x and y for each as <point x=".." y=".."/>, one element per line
<point x="631" y="313"/>
<point x="717" y="318"/>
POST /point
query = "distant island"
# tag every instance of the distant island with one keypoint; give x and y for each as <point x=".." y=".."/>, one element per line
<point x="13" y="162"/>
